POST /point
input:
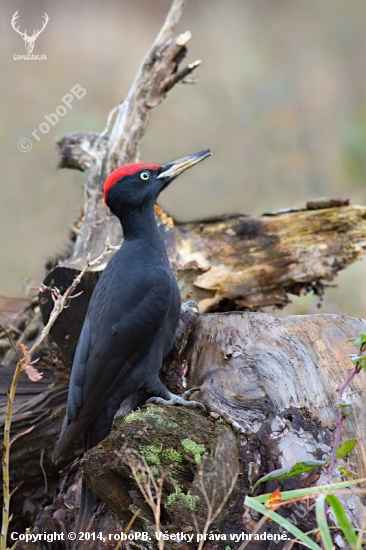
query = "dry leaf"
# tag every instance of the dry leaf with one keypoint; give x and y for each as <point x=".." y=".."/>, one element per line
<point x="28" y="367"/>
<point x="275" y="496"/>
<point x="273" y="500"/>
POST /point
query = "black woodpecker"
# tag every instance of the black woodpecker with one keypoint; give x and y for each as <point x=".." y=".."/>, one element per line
<point x="132" y="316"/>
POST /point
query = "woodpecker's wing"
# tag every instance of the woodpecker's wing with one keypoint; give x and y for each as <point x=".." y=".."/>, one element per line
<point x="116" y="335"/>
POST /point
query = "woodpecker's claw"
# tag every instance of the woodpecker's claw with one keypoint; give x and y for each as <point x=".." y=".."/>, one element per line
<point x="188" y="393"/>
<point x="190" y="306"/>
<point x="178" y="399"/>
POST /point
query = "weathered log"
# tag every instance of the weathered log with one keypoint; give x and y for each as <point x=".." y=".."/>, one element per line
<point x="273" y="379"/>
<point x="264" y="363"/>
<point x="189" y="448"/>
<point x="242" y="262"/>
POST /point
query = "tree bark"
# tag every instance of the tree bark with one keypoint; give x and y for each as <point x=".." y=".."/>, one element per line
<point x="243" y="262"/>
<point x="268" y="383"/>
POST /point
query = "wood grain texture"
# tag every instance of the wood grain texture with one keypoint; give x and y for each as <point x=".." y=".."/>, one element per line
<point x="250" y="262"/>
<point x="273" y="380"/>
<point x="242" y="262"/>
<point x="250" y="366"/>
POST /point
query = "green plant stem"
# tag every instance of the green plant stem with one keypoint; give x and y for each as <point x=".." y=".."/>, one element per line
<point x="341" y="419"/>
<point x="6" y="449"/>
<point x="337" y="439"/>
<point x="60" y="302"/>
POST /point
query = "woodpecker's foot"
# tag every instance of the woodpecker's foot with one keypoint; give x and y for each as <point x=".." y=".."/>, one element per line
<point x="178" y="399"/>
<point x="190" y="306"/>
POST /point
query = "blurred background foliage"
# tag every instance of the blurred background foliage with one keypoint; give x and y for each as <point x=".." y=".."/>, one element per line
<point x="280" y="99"/>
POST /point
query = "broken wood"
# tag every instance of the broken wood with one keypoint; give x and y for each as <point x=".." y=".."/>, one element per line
<point x="272" y="379"/>
<point x="242" y="262"/>
<point x="169" y="449"/>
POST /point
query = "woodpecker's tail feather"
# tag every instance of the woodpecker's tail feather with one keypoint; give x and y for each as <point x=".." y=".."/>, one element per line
<point x="88" y="499"/>
<point x="69" y="433"/>
<point x="87" y="503"/>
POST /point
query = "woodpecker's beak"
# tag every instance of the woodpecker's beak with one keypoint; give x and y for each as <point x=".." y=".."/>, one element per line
<point x="172" y="169"/>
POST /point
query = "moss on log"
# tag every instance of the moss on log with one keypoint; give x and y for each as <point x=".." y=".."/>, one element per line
<point x="193" y="452"/>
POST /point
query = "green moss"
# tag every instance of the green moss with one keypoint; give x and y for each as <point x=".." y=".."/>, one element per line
<point x="152" y="454"/>
<point x="157" y="414"/>
<point x="173" y="497"/>
<point x="174" y="455"/>
<point x="157" y="455"/>
<point x="193" y="448"/>
<point x="190" y="500"/>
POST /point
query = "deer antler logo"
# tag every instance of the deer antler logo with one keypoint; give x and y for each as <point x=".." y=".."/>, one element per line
<point x="29" y="40"/>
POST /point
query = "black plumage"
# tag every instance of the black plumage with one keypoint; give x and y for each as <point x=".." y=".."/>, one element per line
<point x="132" y="316"/>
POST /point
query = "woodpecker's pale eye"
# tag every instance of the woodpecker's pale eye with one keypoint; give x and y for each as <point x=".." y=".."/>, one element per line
<point x="145" y="176"/>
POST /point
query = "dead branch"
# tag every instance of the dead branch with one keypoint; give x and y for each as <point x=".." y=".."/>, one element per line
<point x="241" y="262"/>
<point x="99" y="157"/>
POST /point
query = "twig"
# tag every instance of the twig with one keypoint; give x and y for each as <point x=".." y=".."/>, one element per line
<point x="11" y="342"/>
<point x="179" y="75"/>
<point x="150" y="488"/>
<point x="21" y="435"/>
<point x="348" y="380"/>
<point x="43" y="472"/>
<point x="127" y="530"/>
<point x="60" y="302"/>
<point x="337" y="438"/>
<point x="210" y="502"/>
<point x="6" y="450"/>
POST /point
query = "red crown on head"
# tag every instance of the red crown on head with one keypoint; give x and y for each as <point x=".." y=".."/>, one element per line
<point x="127" y="170"/>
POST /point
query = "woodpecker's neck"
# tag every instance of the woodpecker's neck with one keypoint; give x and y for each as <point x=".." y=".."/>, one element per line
<point x="141" y="224"/>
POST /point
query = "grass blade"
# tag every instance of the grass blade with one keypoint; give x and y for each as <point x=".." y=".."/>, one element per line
<point x="343" y="520"/>
<point x="253" y="503"/>
<point x="321" y="520"/>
